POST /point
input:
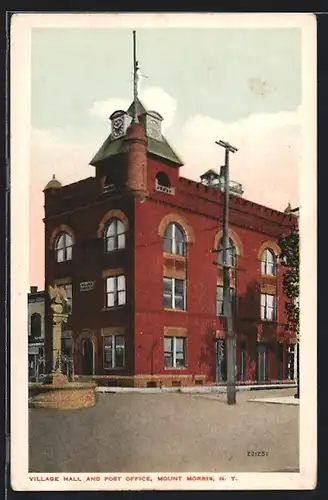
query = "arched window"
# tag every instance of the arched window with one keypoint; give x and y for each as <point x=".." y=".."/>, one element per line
<point x="36" y="325"/>
<point x="63" y="247"/>
<point x="231" y="253"/>
<point x="108" y="184"/>
<point x="163" y="179"/>
<point x="269" y="263"/>
<point x="174" y="239"/>
<point x="115" y="235"/>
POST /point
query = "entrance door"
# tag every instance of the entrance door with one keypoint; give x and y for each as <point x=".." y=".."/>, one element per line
<point x="262" y="362"/>
<point x="31" y="366"/>
<point x="87" y="357"/>
<point x="220" y="365"/>
<point x="280" y="361"/>
<point x="290" y="362"/>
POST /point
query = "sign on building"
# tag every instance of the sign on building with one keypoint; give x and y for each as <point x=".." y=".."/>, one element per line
<point x="86" y="286"/>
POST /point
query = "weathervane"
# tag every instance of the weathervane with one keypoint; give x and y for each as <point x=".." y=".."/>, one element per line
<point x="135" y="77"/>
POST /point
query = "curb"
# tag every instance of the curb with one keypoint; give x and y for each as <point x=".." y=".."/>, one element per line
<point x="191" y="390"/>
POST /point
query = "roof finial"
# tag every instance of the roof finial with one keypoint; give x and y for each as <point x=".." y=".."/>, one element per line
<point x="135" y="78"/>
<point x="288" y="209"/>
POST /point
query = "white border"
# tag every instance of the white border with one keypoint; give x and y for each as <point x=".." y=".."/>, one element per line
<point x="20" y="155"/>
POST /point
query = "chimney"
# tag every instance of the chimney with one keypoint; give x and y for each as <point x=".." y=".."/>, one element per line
<point x="33" y="289"/>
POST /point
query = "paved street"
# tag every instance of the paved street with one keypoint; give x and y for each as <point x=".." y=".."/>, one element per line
<point x="167" y="432"/>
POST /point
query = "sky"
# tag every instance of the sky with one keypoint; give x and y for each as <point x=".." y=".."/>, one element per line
<point x="243" y="86"/>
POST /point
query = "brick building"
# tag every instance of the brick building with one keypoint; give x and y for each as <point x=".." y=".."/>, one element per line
<point x="138" y="247"/>
<point x="36" y="332"/>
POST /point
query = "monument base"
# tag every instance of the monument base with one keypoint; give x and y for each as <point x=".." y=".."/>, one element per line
<point x="57" y="393"/>
<point x="56" y="378"/>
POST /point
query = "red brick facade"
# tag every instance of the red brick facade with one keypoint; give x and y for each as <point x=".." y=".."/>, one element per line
<point x="85" y="208"/>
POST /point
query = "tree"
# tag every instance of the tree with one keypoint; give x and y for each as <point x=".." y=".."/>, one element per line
<point x="289" y="258"/>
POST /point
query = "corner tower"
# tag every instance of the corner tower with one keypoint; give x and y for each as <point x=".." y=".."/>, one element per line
<point x="136" y="136"/>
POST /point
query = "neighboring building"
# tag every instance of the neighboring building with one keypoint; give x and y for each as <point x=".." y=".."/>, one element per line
<point x="36" y="332"/>
<point x="139" y="249"/>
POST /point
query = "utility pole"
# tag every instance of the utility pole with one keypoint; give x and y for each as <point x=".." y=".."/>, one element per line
<point x="227" y="309"/>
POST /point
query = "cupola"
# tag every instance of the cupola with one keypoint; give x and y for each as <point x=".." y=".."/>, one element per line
<point x="53" y="184"/>
<point x="215" y="179"/>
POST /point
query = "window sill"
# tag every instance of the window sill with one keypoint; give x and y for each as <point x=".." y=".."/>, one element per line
<point x="115" y="369"/>
<point x="175" y="310"/>
<point x="175" y="256"/>
<point x="106" y="252"/>
<point x="115" y="308"/>
<point x="270" y="276"/>
<point x="178" y="369"/>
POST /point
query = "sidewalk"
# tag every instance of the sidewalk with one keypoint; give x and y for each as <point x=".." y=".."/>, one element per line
<point x="193" y="389"/>
<point x="285" y="400"/>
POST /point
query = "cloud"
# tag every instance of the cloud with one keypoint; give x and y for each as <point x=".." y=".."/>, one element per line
<point x="157" y="99"/>
<point x="268" y="157"/>
<point x="103" y="109"/>
<point x="153" y="98"/>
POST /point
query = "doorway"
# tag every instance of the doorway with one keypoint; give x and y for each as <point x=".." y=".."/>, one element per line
<point x="243" y="362"/>
<point x="262" y="362"/>
<point x="290" y="362"/>
<point x="87" y="357"/>
<point x="280" y="361"/>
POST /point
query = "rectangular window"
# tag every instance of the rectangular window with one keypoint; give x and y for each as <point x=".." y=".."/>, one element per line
<point x="114" y="351"/>
<point x="115" y="291"/>
<point x="69" y="291"/>
<point x="268" y="307"/>
<point x="220" y="303"/>
<point x="174" y="294"/>
<point x="174" y="352"/>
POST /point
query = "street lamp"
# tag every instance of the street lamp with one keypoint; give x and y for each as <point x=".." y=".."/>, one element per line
<point x="227" y="310"/>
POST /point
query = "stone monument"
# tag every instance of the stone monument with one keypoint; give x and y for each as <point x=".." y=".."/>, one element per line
<point x="56" y="391"/>
<point x="58" y="297"/>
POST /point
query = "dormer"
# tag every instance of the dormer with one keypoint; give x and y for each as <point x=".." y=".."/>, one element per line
<point x="120" y="121"/>
<point x="153" y="125"/>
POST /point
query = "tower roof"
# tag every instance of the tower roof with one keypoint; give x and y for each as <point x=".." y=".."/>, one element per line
<point x="113" y="146"/>
<point x="116" y="144"/>
<point x="53" y="184"/>
<point x="140" y="108"/>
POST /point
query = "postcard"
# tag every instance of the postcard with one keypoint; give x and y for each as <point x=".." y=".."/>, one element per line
<point x="163" y="218"/>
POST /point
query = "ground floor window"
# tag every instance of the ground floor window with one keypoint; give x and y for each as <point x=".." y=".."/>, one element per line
<point x="114" y="351"/>
<point x="262" y="362"/>
<point x="36" y="362"/>
<point x="175" y="352"/>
